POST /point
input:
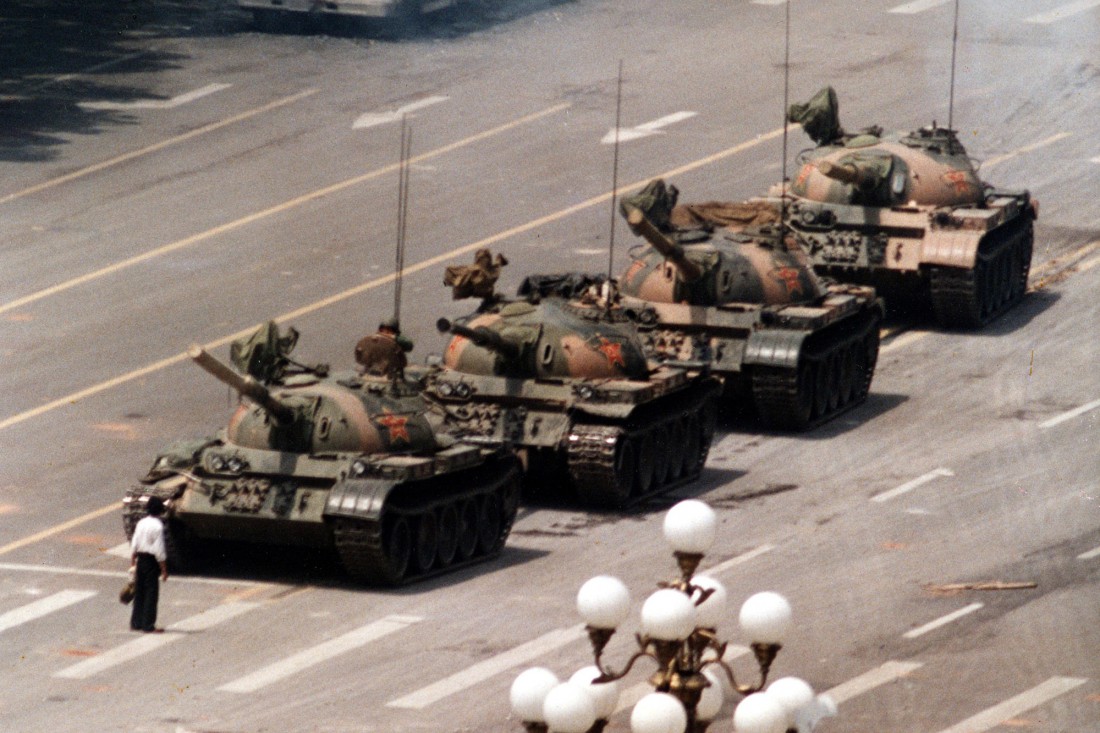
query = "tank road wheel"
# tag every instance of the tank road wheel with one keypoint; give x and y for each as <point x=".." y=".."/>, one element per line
<point x="467" y="530"/>
<point x="833" y="363"/>
<point x="662" y="456"/>
<point x="693" y="445"/>
<point x="448" y="535"/>
<point x="644" y="483"/>
<point x="396" y="549"/>
<point x="182" y="548"/>
<point x="821" y="387"/>
<point x="676" y="446"/>
<point x="426" y="541"/>
<point x="626" y="470"/>
<point x="847" y="361"/>
<point x="489" y="525"/>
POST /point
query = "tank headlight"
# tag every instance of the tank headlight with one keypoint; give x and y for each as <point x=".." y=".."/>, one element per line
<point x="358" y="468"/>
<point x="462" y="390"/>
<point x="217" y="463"/>
<point x="585" y="392"/>
<point x="446" y="389"/>
<point x="236" y="464"/>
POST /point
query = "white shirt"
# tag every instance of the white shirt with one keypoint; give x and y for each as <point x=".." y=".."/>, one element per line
<point x="149" y="537"/>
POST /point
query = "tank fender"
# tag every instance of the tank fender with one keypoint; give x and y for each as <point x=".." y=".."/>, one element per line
<point x="953" y="248"/>
<point x="358" y="498"/>
<point x="773" y="347"/>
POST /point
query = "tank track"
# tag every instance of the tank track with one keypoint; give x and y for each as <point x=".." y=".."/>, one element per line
<point x="179" y="548"/>
<point x="433" y="529"/>
<point x="615" y="466"/>
<point x="834" y="374"/>
<point x="972" y="297"/>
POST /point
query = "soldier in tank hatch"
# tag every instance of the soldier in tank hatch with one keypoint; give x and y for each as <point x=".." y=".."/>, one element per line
<point x="382" y="354"/>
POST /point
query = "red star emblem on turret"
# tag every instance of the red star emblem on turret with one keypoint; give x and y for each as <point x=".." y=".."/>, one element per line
<point x="960" y="180"/>
<point x="789" y="276"/>
<point x="396" y="424"/>
<point x="613" y="351"/>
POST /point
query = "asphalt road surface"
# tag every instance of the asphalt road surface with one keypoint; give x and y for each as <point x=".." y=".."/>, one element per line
<point x="169" y="175"/>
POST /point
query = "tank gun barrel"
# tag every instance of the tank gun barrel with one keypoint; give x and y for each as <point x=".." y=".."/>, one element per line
<point x="673" y="252"/>
<point x="482" y="337"/>
<point x="247" y="386"/>
<point x="851" y="173"/>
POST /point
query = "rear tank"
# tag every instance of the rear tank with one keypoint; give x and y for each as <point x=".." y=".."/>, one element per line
<point x="567" y="383"/>
<point x="731" y="291"/>
<point x="907" y="213"/>
<point x="351" y="463"/>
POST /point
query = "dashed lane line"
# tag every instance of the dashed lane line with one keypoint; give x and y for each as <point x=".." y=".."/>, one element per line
<point x="322" y="652"/>
<point x="88" y="572"/>
<point x="147" y="643"/>
<point x="743" y="557"/>
<point x="491" y="667"/>
<point x="63" y="527"/>
<point x="157" y="146"/>
<point x="887" y="672"/>
<point x="277" y="209"/>
<point x="917" y="6"/>
<point x="1062" y="12"/>
<point x="42" y="607"/>
<point x="910" y="485"/>
<point x="1090" y="554"/>
<point x="998" y="714"/>
<point x="1069" y="415"/>
<point x="998" y="159"/>
<point x="942" y="621"/>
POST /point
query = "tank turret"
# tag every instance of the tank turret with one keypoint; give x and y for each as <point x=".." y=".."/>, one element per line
<point x="907" y="213"/>
<point x="482" y="337"/>
<point x="342" y="462"/>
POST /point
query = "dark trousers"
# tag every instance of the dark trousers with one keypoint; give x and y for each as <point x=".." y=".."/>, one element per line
<point x="146" y="593"/>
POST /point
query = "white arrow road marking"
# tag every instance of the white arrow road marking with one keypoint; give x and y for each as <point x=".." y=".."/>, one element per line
<point x="370" y="119"/>
<point x="1062" y="12"/>
<point x="43" y="606"/>
<point x="159" y="103"/>
<point x="907" y="487"/>
<point x="645" y="129"/>
<point x="1012" y="707"/>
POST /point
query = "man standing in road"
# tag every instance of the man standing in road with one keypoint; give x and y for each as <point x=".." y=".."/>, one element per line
<point x="148" y="558"/>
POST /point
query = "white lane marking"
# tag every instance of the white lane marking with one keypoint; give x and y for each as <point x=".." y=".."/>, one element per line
<point x="315" y="655"/>
<point x="994" y="716"/>
<point x="57" y="570"/>
<point x="372" y="119"/>
<point x="987" y="164"/>
<point x="1062" y="12"/>
<point x="907" y="487"/>
<point x="902" y="340"/>
<point x="629" y="697"/>
<point x="769" y="2"/>
<point x="1095" y="160"/>
<point x="867" y="681"/>
<point x="147" y="643"/>
<point x="1069" y="415"/>
<point x="653" y="127"/>
<point x="942" y="621"/>
<point x="122" y="550"/>
<point x="42" y="607"/>
<point x="917" y="6"/>
<point x="176" y="101"/>
<point x="1090" y="554"/>
<point x="743" y="557"/>
<point x="491" y="667"/>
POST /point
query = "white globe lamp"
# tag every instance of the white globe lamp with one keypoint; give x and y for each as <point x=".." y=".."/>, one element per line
<point x="529" y="691"/>
<point x="766" y="618"/>
<point x="690" y="527"/>
<point x="603" y="602"/>
<point x="569" y="708"/>
<point x="658" y="712"/>
<point x="758" y="713"/>
<point x="605" y="695"/>
<point x="668" y="615"/>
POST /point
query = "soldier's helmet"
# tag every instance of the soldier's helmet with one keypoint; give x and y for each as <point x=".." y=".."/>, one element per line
<point x="390" y="324"/>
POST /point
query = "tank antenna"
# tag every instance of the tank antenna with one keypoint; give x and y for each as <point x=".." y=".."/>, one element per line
<point x="954" y="45"/>
<point x="402" y="215"/>
<point x="614" y="182"/>
<point x="786" y="96"/>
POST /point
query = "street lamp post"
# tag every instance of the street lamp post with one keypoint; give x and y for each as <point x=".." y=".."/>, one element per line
<point x="679" y="633"/>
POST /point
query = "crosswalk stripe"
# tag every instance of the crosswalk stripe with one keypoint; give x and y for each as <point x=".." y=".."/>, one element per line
<point x="867" y="681"/>
<point x="917" y="6"/>
<point x="491" y="667"/>
<point x="994" y="716"/>
<point x="150" y="642"/>
<point x="320" y="653"/>
<point x="42" y="607"/>
<point x="1062" y="12"/>
<point x="942" y="621"/>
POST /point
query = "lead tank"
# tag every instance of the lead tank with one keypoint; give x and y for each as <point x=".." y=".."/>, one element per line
<point x="908" y="213"/>
<point x="353" y="463"/>
<point x="568" y="384"/>
<point x="732" y="291"/>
